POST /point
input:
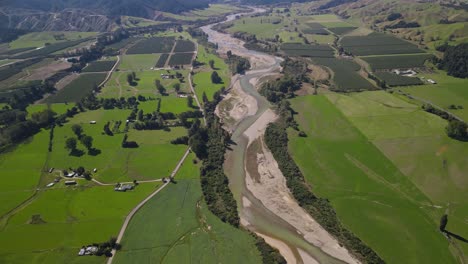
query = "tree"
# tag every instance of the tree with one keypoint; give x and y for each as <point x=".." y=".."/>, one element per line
<point x="70" y="144"/>
<point x="77" y="129"/>
<point x="204" y="98"/>
<point x="87" y="141"/>
<point x="215" y="77"/>
<point x="160" y="87"/>
<point x="443" y="222"/>
<point x="176" y="87"/>
<point x="130" y="79"/>
<point x="211" y="63"/>
<point x="190" y="101"/>
<point x="80" y="170"/>
<point x="140" y="115"/>
<point x="457" y="129"/>
<point x="229" y="54"/>
<point x="134" y="75"/>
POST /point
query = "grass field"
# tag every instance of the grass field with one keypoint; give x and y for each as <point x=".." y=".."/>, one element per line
<point x="77" y="89"/>
<point x="138" y="62"/>
<point x="99" y="66"/>
<point x="38" y="39"/>
<point x="371" y="196"/>
<point x="345" y="74"/>
<point x="118" y="85"/>
<point x="320" y="39"/>
<point x="60" y="108"/>
<point x="378" y="44"/>
<point x="447" y="91"/>
<point x="176" y="227"/>
<point x="397" y="61"/>
<point x="261" y="26"/>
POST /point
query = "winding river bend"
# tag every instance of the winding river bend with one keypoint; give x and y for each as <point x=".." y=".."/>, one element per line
<point x="266" y="206"/>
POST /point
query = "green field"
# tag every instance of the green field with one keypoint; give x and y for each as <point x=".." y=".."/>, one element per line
<point x="447" y="91"/>
<point x="202" y="77"/>
<point x="304" y="50"/>
<point x="345" y="74"/>
<point x="60" y="108"/>
<point x="77" y="89"/>
<point x="152" y="45"/>
<point x="378" y="44"/>
<point x="261" y="26"/>
<point x="138" y="62"/>
<point x="38" y="39"/>
<point x="371" y="196"/>
<point x="176" y="227"/>
<point x="118" y="85"/>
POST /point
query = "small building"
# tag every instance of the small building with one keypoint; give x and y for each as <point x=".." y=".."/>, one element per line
<point x="95" y="170"/>
<point x="50" y="184"/>
<point x="70" y="174"/>
<point x="431" y="81"/>
<point x="92" y="122"/>
<point x="123" y="187"/>
<point x="82" y="252"/>
<point x="51" y="170"/>
<point x="70" y="182"/>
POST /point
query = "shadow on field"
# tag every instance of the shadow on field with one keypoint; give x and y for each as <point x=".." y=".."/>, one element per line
<point x="450" y="234"/>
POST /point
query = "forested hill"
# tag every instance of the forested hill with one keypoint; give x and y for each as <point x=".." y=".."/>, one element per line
<point x="141" y="8"/>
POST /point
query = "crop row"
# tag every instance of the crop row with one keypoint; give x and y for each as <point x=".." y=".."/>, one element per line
<point x="296" y="49"/>
<point x="180" y="59"/>
<point x="378" y="44"/>
<point x="397" y="61"/>
<point x="99" y="66"/>
<point x="78" y="88"/>
<point x="152" y="45"/>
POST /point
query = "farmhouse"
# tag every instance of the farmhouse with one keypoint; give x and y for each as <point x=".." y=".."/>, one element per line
<point x="89" y="250"/>
<point x="431" y="81"/>
<point x="123" y="187"/>
<point x="50" y="184"/>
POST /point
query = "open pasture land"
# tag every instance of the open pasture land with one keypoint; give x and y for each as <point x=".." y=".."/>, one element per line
<point x="371" y="196"/>
<point x="378" y="44"/>
<point x="100" y="66"/>
<point x="152" y="45"/>
<point x="392" y="79"/>
<point x="77" y="89"/>
<point x="448" y="91"/>
<point x="176" y="227"/>
<point x="304" y="50"/>
<point x="180" y="59"/>
<point x="21" y="170"/>
<point x="345" y="74"/>
<point x="264" y="27"/>
<point x="184" y="46"/>
<point x="144" y="85"/>
<point x="416" y="142"/>
<point x="161" y="62"/>
<point x="138" y="62"/>
<point x="216" y="10"/>
<point x="71" y="217"/>
<point x="397" y="61"/>
<point x="155" y="157"/>
<point x="320" y="39"/>
<point x="60" y="108"/>
<point x="341" y="30"/>
<point x="39" y="39"/>
<point x="46" y="50"/>
<point x="170" y="103"/>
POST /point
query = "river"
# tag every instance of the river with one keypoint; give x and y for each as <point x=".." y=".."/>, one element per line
<point x="265" y="205"/>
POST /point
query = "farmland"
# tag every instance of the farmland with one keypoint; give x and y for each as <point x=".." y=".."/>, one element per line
<point x="162" y="60"/>
<point x="152" y="45"/>
<point x="46" y="50"/>
<point x="296" y="49"/>
<point x="39" y="39"/>
<point x="184" y="46"/>
<point x="180" y="59"/>
<point x="341" y="30"/>
<point x="138" y="62"/>
<point x="345" y="74"/>
<point x="343" y="166"/>
<point x="397" y="61"/>
<point x="377" y="44"/>
<point x="77" y="89"/>
<point x="99" y="66"/>
<point x="314" y="28"/>
<point x="185" y="232"/>
<point x="392" y="79"/>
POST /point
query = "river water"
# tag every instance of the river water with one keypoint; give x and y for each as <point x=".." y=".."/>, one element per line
<point x="256" y="217"/>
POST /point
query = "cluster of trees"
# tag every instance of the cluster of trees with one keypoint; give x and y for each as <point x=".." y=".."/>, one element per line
<point x="394" y="16"/>
<point x="87" y="141"/>
<point x="149" y="121"/>
<point x="455" y="60"/>
<point x="403" y="24"/>
<point x="281" y="88"/>
<point x="132" y="79"/>
<point x="128" y="144"/>
<point x="455" y="129"/>
<point x="215" y="78"/>
<point x="381" y="83"/>
<point x="237" y="64"/>
<point x="105" y="248"/>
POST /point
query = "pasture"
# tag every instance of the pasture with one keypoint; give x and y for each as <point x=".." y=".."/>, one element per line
<point x="176" y="227"/>
<point x="39" y="39"/>
<point x="99" y="66"/>
<point x="397" y="61"/>
<point x="138" y="62"/>
<point x="371" y="196"/>
<point x="345" y="74"/>
<point x="170" y="103"/>
<point x="304" y="50"/>
<point x="448" y="91"/>
<point x="77" y="89"/>
<point x="152" y="45"/>
<point x="60" y="108"/>
<point x="264" y="27"/>
<point x="392" y="79"/>
<point x="415" y="141"/>
<point x="377" y="44"/>
<point x="180" y="59"/>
